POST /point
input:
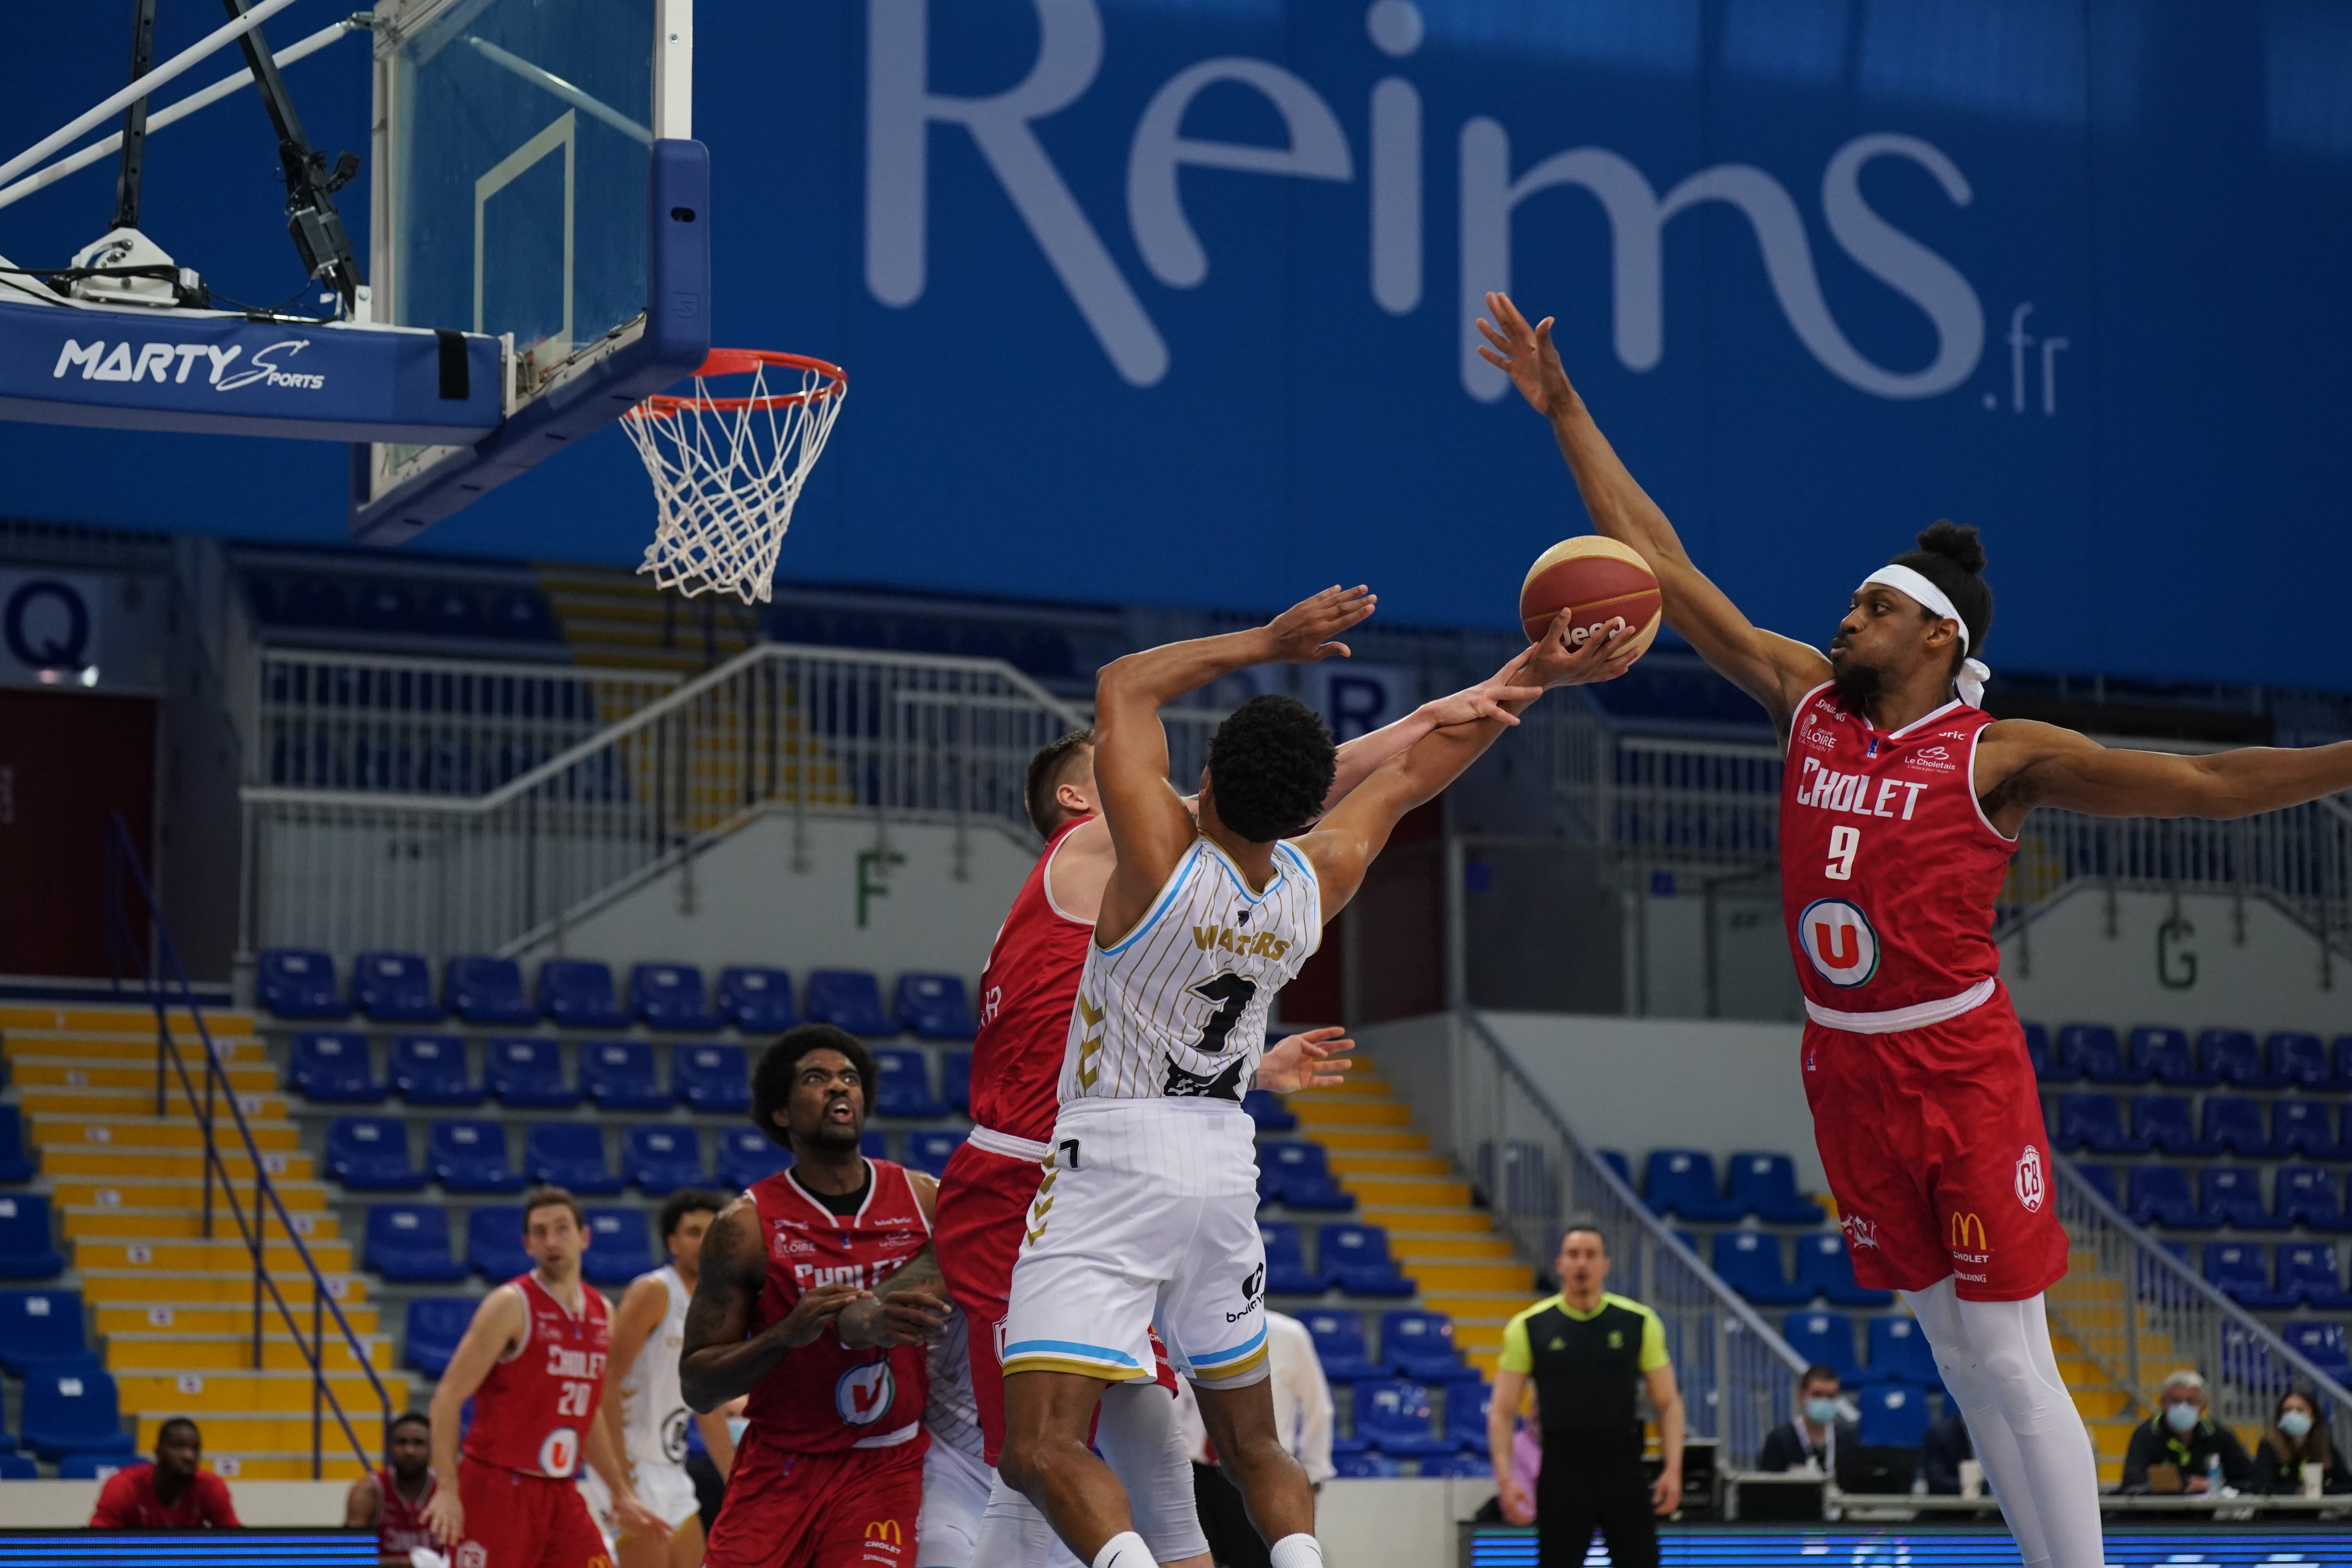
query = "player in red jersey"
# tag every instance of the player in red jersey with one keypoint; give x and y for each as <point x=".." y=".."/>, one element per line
<point x="1901" y="803"/>
<point x="817" y="1295"/>
<point x="392" y="1500"/>
<point x="533" y="1361"/>
<point x="176" y="1492"/>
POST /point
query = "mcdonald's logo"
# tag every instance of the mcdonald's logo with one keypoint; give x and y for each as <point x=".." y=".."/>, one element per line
<point x="1969" y="1233"/>
<point x="885" y="1529"/>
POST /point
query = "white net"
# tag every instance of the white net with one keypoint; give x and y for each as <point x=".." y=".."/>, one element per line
<point x="727" y="470"/>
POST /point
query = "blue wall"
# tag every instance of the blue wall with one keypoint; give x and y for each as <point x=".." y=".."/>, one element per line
<point x="1197" y="385"/>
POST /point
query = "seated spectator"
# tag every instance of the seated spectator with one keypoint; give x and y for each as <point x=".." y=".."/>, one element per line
<point x="1810" y="1442"/>
<point x="391" y="1500"/>
<point x="1941" y="1457"/>
<point x="176" y="1492"/>
<point x="2294" y="1458"/>
<point x="2178" y="1448"/>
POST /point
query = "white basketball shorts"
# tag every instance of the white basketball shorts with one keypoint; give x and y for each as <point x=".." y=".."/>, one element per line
<point x="955" y="1494"/>
<point x="1147" y="1214"/>
<point x="666" y="1488"/>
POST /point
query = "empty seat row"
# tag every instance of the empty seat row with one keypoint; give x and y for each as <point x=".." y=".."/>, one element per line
<point x="579" y="994"/>
<point x="2309" y="1275"/>
<point x="2287" y="1059"/>
<point x="1898" y="1350"/>
<point x="70" y="1411"/>
<point x="1681" y="1182"/>
<point x="41" y="1327"/>
<point x="27" y="1246"/>
<point x="1396" y="1418"/>
<point x="1412" y="1344"/>
<point x="1749" y="1262"/>
<point x="2226" y="1195"/>
<point x="409" y="1244"/>
<point x="2230" y="1125"/>
<point x="1353" y="1258"/>
<point x="1297" y="1174"/>
<point x="371" y="1154"/>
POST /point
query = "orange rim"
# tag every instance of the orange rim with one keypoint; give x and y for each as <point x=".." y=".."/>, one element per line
<point x="744" y="362"/>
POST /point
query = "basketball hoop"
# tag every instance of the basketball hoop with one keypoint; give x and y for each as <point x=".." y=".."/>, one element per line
<point x="727" y="470"/>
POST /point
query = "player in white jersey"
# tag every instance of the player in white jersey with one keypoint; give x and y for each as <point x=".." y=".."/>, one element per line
<point x="649" y="1417"/>
<point x="1147" y="1212"/>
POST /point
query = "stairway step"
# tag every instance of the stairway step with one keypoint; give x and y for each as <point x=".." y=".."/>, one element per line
<point x="177" y="1288"/>
<point x="1451" y="1248"/>
<point x="245" y="1393"/>
<point x="100" y="1222"/>
<point x="227" y="1256"/>
<point x="335" y="1461"/>
<point x="1419" y="1192"/>
<point x="1507" y="1275"/>
<point x="1395" y="1217"/>
<point x="149" y="1133"/>
<point x="171" y="1351"/>
<point x="176" y="1193"/>
<point x="1356" y="1165"/>
<point x="136" y="1049"/>
<point x="102" y="1018"/>
<point x="47" y="1071"/>
<point x="132" y="1165"/>
<point x="229" y="1434"/>
<point x="1314" y="1113"/>
<point x="1370" y="1141"/>
<point x="236" y="1320"/>
<point x="63" y="1101"/>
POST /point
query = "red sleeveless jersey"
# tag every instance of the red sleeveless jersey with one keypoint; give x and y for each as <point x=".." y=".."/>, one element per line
<point x="825" y="1396"/>
<point x="529" y="1412"/>
<point x="1888" y="866"/>
<point x="1025" y="996"/>
<point x="400" y="1525"/>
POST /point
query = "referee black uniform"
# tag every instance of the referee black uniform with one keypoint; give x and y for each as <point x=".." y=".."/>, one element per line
<point x="1587" y="1368"/>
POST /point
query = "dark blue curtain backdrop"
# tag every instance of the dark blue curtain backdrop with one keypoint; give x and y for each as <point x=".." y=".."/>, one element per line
<point x="1165" y="299"/>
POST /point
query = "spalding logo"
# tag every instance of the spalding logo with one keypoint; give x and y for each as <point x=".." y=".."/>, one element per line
<point x="864" y="1392"/>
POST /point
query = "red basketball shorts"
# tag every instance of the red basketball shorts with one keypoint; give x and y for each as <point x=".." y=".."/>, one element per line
<point x="854" y="1508"/>
<point x="1936" y="1151"/>
<point x="514" y="1520"/>
<point x="977" y="1225"/>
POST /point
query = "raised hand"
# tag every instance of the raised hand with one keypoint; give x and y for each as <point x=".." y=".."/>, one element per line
<point x="1559" y="661"/>
<point x="1303" y="633"/>
<point x="1526" y="355"/>
<point x="1486" y="699"/>
<point x="1306" y="1061"/>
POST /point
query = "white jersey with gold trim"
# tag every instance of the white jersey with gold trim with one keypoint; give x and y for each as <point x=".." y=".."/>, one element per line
<point x="1177" y="1008"/>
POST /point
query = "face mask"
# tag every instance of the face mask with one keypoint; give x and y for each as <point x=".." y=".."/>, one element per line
<point x="2296" y="1425"/>
<point x="2183" y="1418"/>
<point x="1822" y="1412"/>
<point x="737" y="1426"/>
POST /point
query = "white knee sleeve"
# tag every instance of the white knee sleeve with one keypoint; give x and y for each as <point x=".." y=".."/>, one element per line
<point x="1139" y="1441"/>
<point x="1014" y="1534"/>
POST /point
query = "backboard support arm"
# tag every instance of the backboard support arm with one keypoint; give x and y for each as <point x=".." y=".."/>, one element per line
<point x="134" y="118"/>
<point x="310" y="217"/>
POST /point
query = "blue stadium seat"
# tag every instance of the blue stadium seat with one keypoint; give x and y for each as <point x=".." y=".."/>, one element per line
<point x="526" y="1073"/>
<point x="569" y="1154"/>
<point x="99" y="1467"/>
<point x="2306" y="1195"/>
<point x="395" y="988"/>
<point x="2302" y="1127"/>
<point x="2095" y="1121"/>
<point x="1680" y="1181"/>
<point x="331" y="1066"/>
<point x="848" y="999"/>
<point x="484" y="990"/>
<point x="874" y="1145"/>
<point x="1465" y="1412"/>
<point x="1458" y="1465"/>
<point x="711" y="1078"/>
<point x="746" y="1156"/>
<point x="957" y="1090"/>
<point x="669" y="996"/>
<point x="2236" y="1124"/>
<point x="2159" y="1195"/>
<point x="2232" y="1053"/>
<point x="2166" y="1052"/>
<point x="1394" y="1416"/>
<point x="1286" y="1273"/>
<point x="435" y="1324"/>
<point x="2312" y="1271"/>
<point x="2101" y="1180"/>
<point x="2300" y="1058"/>
<point x="2232" y="1195"/>
<point x="757" y="1001"/>
<point x="905" y="1086"/>
<point x="17" y="1162"/>
<point x="2323" y="1345"/>
<point x="370" y="1155"/>
<point x="1749" y="1262"/>
<point x="1420" y="1345"/>
<point x="1826" y="1338"/>
<point x="618" y="1075"/>
<point x="41" y="1328"/>
<point x="2048" y="1066"/>
<point x="577" y="992"/>
<point x="298" y="983"/>
<point x="1893" y="1416"/>
<point x="494" y="1243"/>
<point x="2163" y="1119"/>
<point x="2096" y="1053"/>
<point x="71" y="1410"/>
<point x="430" y="1069"/>
<point x="470" y="1156"/>
<point x="1615" y="1160"/>
<point x="933" y="1007"/>
<point x="1899" y="1353"/>
<point x="1297" y="1174"/>
<point x="1339" y="1345"/>
<point x="930" y="1152"/>
<point x="660" y="1160"/>
<point x="1765" y="1186"/>
<point x="2343" y="1050"/>
<point x="1361" y="1463"/>
<point x="16" y="1467"/>
<point x="1356" y="1256"/>
<point x="620" y="1247"/>
<point x="2242" y="1271"/>
<point x="1824" y="1267"/>
<point x="408" y="1243"/>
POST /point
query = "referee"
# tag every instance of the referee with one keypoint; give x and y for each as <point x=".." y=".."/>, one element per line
<point x="1586" y="1351"/>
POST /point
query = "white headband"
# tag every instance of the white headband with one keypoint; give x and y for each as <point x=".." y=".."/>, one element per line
<point x="1971" y="683"/>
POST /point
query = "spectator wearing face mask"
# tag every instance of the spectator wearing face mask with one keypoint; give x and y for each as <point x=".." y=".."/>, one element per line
<point x="2182" y="1448"/>
<point x="2297" y="1445"/>
<point x="1813" y="1439"/>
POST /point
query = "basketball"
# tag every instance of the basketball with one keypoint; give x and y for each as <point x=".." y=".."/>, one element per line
<point x="1600" y="580"/>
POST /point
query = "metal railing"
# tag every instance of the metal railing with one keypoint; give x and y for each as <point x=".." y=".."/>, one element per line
<point x="150" y="960"/>
<point x="777" y="729"/>
<point x="2142" y="1312"/>
<point x="1737" y="1376"/>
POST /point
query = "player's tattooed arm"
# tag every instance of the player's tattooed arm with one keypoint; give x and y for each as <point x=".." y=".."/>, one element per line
<point x="721" y="1358"/>
<point x="911" y="1307"/>
<point x="2021" y="765"/>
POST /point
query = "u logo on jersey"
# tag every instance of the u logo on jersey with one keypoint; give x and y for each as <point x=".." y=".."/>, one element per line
<point x="864" y="1392"/>
<point x="1837" y="936"/>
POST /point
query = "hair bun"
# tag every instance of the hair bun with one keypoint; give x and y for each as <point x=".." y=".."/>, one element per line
<point x="1955" y="542"/>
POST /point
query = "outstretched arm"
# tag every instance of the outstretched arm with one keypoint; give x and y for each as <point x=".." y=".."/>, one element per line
<point x="2021" y="765"/>
<point x="1775" y="670"/>
<point x="1365" y="755"/>
<point x="1150" y="829"/>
